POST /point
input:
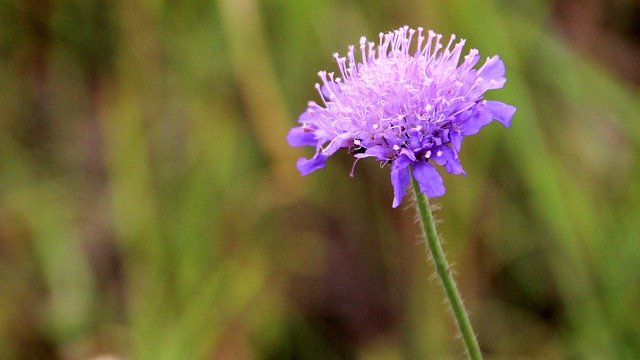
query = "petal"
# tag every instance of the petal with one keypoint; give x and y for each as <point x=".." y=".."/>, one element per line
<point x="447" y="157"/>
<point x="379" y="152"/>
<point x="456" y="140"/>
<point x="501" y="111"/>
<point x="402" y="161"/>
<point x="414" y="139"/>
<point x="489" y="76"/>
<point x="311" y="113"/>
<point x="493" y="69"/>
<point x="428" y="178"/>
<point x="307" y="166"/>
<point x="299" y="137"/>
<point x="478" y="119"/>
<point x="441" y="154"/>
<point x="453" y="166"/>
<point x="337" y="144"/>
<point x="400" y="178"/>
<point x="408" y="153"/>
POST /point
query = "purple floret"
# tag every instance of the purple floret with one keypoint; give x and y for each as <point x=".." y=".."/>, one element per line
<point x="407" y="108"/>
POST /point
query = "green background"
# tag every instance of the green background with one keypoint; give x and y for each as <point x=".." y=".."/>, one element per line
<point x="150" y="207"/>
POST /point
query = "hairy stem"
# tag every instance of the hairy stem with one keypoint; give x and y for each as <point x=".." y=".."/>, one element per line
<point x="449" y="285"/>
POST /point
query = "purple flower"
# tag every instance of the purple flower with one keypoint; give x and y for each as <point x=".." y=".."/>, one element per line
<point x="409" y="108"/>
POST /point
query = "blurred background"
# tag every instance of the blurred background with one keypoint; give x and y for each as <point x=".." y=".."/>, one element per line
<point x="150" y="207"/>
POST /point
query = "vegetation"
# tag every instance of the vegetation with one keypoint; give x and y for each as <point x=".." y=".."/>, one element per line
<point x="150" y="207"/>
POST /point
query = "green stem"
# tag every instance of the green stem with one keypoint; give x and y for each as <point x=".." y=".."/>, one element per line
<point x="453" y="295"/>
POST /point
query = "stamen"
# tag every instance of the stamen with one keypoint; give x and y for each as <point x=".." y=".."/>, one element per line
<point x="363" y="42"/>
<point x="353" y="168"/>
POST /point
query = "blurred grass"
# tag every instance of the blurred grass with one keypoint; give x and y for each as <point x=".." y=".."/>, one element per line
<point x="150" y="207"/>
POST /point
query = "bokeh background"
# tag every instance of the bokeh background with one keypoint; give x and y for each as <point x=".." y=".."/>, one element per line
<point x="150" y="207"/>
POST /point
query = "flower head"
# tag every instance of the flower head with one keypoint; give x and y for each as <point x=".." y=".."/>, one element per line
<point x="406" y="105"/>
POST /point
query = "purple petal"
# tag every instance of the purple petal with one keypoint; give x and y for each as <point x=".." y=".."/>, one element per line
<point x="441" y="154"/>
<point x="414" y="139"/>
<point x="400" y="178"/>
<point x="447" y="157"/>
<point x="299" y="137"/>
<point x="408" y="153"/>
<point x="307" y="166"/>
<point x="337" y="144"/>
<point x="379" y="152"/>
<point x="428" y="178"/>
<point x="453" y="166"/>
<point x="402" y="161"/>
<point x="478" y="119"/>
<point x="493" y="69"/>
<point x="501" y="111"/>
<point x="490" y="76"/>
<point x="456" y="140"/>
<point x="311" y="113"/>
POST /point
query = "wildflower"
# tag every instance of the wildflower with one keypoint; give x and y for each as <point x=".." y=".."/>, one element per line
<point x="409" y="108"/>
